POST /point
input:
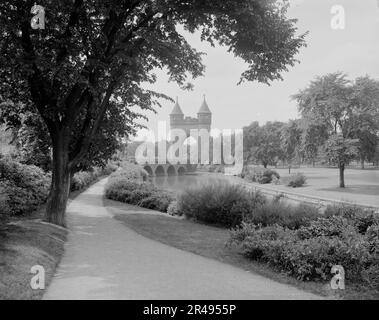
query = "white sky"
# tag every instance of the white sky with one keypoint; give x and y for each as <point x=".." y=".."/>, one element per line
<point x="354" y="50"/>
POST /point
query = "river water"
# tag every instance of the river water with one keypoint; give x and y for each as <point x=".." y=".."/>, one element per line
<point x="180" y="183"/>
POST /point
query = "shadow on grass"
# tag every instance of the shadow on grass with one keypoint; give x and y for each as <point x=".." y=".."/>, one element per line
<point x="23" y="244"/>
<point x="211" y="242"/>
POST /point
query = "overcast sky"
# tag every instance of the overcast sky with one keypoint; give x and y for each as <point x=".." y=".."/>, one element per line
<point x="353" y="50"/>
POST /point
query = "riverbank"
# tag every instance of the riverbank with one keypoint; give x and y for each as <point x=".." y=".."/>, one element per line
<point x="320" y="189"/>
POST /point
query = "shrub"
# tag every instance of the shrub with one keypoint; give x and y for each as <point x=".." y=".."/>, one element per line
<point x="268" y="176"/>
<point x="306" y="259"/>
<point x="295" y="181"/>
<point x="248" y="174"/>
<point x="326" y="227"/>
<point x="312" y="259"/>
<point x="361" y="218"/>
<point x="259" y="175"/>
<point x="109" y="168"/>
<point x="128" y="187"/>
<point x="222" y="204"/>
<point x="22" y="187"/>
<point x="81" y="180"/>
<point x="158" y="200"/>
<point x="372" y="236"/>
<point x="128" y="191"/>
<point x="371" y="275"/>
<point x="277" y="212"/>
<point x="173" y="209"/>
<point x="130" y="171"/>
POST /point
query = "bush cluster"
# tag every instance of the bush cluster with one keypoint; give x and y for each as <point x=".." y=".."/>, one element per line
<point x="360" y="217"/>
<point x="83" y="179"/>
<point x="278" y="212"/>
<point x="222" y="204"/>
<point x="309" y="252"/>
<point x="229" y="204"/>
<point x="295" y="181"/>
<point x="130" y="171"/>
<point x="262" y="176"/>
<point x="128" y="186"/>
<point x="22" y="187"/>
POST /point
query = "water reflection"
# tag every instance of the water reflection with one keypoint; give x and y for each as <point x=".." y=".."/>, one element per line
<point x="180" y="183"/>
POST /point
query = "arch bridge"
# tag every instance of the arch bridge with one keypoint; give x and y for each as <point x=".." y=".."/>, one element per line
<point x="155" y="170"/>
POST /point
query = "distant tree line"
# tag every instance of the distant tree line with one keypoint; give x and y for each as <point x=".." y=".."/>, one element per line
<point x="339" y="123"/>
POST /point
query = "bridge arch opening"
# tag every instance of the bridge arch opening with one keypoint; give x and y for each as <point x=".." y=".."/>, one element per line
<point x="159" y="171"/>
<point x="171" y="171"/>
<point x="149" y="170"/>
<point x="181" y="171"/>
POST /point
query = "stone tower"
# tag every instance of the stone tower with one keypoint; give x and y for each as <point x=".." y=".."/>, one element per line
<point x="204" y="116"/>
<point x="203" y="120"/>
<point x="176" y="116"/>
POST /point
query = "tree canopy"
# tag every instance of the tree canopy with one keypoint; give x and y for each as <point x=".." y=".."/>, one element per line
<point x="346" y="115"/>
<point x="85" y="70"/>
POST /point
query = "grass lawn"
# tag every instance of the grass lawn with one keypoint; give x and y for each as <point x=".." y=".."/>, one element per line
<point x="362" y="186"/>
<point x="26" y="241"/>
<point x="23" y="244"/>
<point x="210" y="242"/>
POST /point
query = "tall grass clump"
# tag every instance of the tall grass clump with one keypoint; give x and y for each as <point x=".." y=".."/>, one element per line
<point x="221" y="204"/>
<point x="278" y="212"/>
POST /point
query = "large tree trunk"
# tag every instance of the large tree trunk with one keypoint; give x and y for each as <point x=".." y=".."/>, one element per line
<point x="60" y="184"/>
<point x="362" y="163"/>
<point x="342" y="176"/>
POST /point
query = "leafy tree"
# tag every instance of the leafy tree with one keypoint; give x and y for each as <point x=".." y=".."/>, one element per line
<point x="341" y="151"/>
<point x="84" y="71"/>
<point x="291" y="137"/>
<point x="327" y="101"/>
<point x="313" y="138"/>
<point x="365" y="116"/>
<point x="33" y="142"/>
<point x="263" y="143"/>
<point x="251" y="139"/>
<point x="343" y="109"/>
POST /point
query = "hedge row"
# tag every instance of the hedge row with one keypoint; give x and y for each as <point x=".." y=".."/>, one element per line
<point x="310" y="252"/>
<point x="228" y="205"/>
<point x="23" y="188"/>
<point x="83" y="179"/>
<point x="128" y="186"/>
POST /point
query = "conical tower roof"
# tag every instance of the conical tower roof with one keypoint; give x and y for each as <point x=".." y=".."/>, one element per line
<point x="177" y="109"/>
<point x="204" y="107"/>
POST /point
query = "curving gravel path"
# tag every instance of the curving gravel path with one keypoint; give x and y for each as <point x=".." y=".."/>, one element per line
<point x="106" y="260"/>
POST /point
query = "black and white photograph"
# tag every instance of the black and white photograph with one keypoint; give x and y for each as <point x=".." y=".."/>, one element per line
<point x="189" y="154"/>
